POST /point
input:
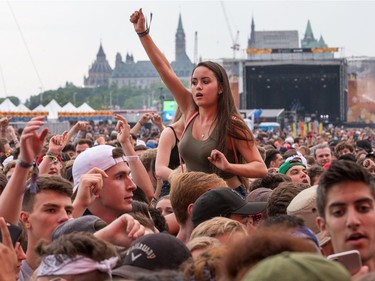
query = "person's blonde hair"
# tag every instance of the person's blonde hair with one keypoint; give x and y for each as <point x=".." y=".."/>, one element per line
<point x="202" y="242"/>
<point x="217" y="226"/>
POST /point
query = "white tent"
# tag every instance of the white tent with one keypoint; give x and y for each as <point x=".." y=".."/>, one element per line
<point x="7" y="105"/>
<point x="39" y="108"/>
<point x="85" y="108"/>
<point x="22" y="108"/>
<point x="53" y="108"/>
<point x="69" y="107"/>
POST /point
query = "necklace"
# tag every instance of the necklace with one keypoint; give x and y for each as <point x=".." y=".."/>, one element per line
<point x="204" y="128"/>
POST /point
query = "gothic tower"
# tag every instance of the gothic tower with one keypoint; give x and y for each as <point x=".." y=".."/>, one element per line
<point x="251" y="41"/>
<point x="180" y="41"/>
<point x="99" y="72"/>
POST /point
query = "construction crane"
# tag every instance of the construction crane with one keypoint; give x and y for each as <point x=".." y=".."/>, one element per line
<point x="235" y="39"/>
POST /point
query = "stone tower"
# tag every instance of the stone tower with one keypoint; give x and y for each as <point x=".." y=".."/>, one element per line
<point x="100" y="71"/>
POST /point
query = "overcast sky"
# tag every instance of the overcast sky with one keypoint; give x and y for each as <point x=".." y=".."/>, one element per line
<point x="43" y="44"/>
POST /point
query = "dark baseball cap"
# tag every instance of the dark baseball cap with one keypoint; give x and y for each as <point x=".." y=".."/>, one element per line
<point x="88" y="223"/>
<point x="222" y="202"/>
<point x="157" y="251"/>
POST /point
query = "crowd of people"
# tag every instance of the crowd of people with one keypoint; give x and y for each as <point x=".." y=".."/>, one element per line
<point x="203" y="198"/>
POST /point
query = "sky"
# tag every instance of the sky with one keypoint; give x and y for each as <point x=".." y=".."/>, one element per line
<point x="44" y="44"/>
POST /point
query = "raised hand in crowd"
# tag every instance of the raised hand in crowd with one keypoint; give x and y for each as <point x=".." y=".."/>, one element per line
<point x="4" y="122"/>
<point x="8" y="256"/>
<point x="123" y="134"/>
<point x="141" y="122"/>
<point x="100" y="140"/>
<point x="31" y="143"/>
<point x="57" y="143"/>
<point x="53" y="155"/>
<point x="139" y="173"/>
<point x="90" y="185"/>
<point x="13" y="136"/>
<point x="157" y="121"/>
<point x="79" y="126"/>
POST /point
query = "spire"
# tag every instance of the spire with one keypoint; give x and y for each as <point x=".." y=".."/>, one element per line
<point x="309" y="35"/>
<point x="100" y="52"/>
<point x="179" y="27"/>
<point x="118" y="59"/>
<point x="251" y="41"/>
<point x="321" y="40"/>
<point x="100" y="71"/>
<point x="322" y="43"/>
<point x="180" y="41"/>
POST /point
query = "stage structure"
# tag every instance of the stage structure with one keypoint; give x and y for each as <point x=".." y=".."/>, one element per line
<point x="311" y="89"/>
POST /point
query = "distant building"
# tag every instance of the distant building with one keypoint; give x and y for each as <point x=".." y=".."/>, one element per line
<point x="309" y="40"/>
<point x="272" y="39"/>
<point x="99" y="72"/>
<point x="284" y="45"/>
<point x="142" y="74"/>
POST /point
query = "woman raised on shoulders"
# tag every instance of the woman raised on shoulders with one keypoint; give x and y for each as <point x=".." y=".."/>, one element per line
<point x="216" y="138"/>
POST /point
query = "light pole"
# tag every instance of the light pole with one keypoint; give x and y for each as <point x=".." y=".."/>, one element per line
<point x="161" y="101"/>
<point x="110" y="99"/>
<point x="41" y="95"/>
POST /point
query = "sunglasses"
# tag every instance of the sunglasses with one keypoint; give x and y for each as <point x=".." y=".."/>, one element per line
<point x="256" y="218"/>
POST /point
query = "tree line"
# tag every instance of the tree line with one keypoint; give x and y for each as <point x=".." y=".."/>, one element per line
<point x="100" y="98"/>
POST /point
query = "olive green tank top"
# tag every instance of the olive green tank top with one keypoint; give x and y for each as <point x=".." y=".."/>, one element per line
<point x="195" y="152"/>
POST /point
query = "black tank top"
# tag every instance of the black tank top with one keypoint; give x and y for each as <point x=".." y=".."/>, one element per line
<point x="174" y="160"/>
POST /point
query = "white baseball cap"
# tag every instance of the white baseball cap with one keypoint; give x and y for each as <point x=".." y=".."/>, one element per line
<point x="99" y="156"/>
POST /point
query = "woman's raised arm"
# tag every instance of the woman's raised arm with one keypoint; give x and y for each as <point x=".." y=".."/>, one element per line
<point x="181" y="94"/>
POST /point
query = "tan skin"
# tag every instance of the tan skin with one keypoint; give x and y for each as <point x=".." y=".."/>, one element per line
<point x="204" y="95"/>
<point x="56" y="145"/>
<point x="166" y="143"/>
<point x="31" y="142"/>
<point x="298" y="174"/>
<point x="323" y="156"/>
<point x="349" y="217"/>
<point x="8" y="256"/>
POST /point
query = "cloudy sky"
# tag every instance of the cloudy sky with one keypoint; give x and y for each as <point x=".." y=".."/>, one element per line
<point x="46" y="43"/>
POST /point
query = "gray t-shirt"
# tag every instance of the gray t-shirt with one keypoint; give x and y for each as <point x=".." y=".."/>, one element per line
<point x="26" y="271"/>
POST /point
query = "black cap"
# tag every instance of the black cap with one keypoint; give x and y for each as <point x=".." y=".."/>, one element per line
<point x="222" y="202"/>
<point x="88" y="223"/>
<point x="152" y="252"/>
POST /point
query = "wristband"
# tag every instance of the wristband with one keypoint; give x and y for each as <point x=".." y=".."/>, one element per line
<point x="52" y="154"/>
<point x="144" y="33"/>
<point x="131" y="158"/>
<point x="23" y="164"/>
<point x="147" y="31"/>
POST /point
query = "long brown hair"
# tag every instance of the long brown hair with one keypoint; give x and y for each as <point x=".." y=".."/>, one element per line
<point x="229" y="121"/>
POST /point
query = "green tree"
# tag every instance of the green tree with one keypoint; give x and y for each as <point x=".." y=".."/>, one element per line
<point x="100" y="98"/>
<point x="13" y="99"/>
